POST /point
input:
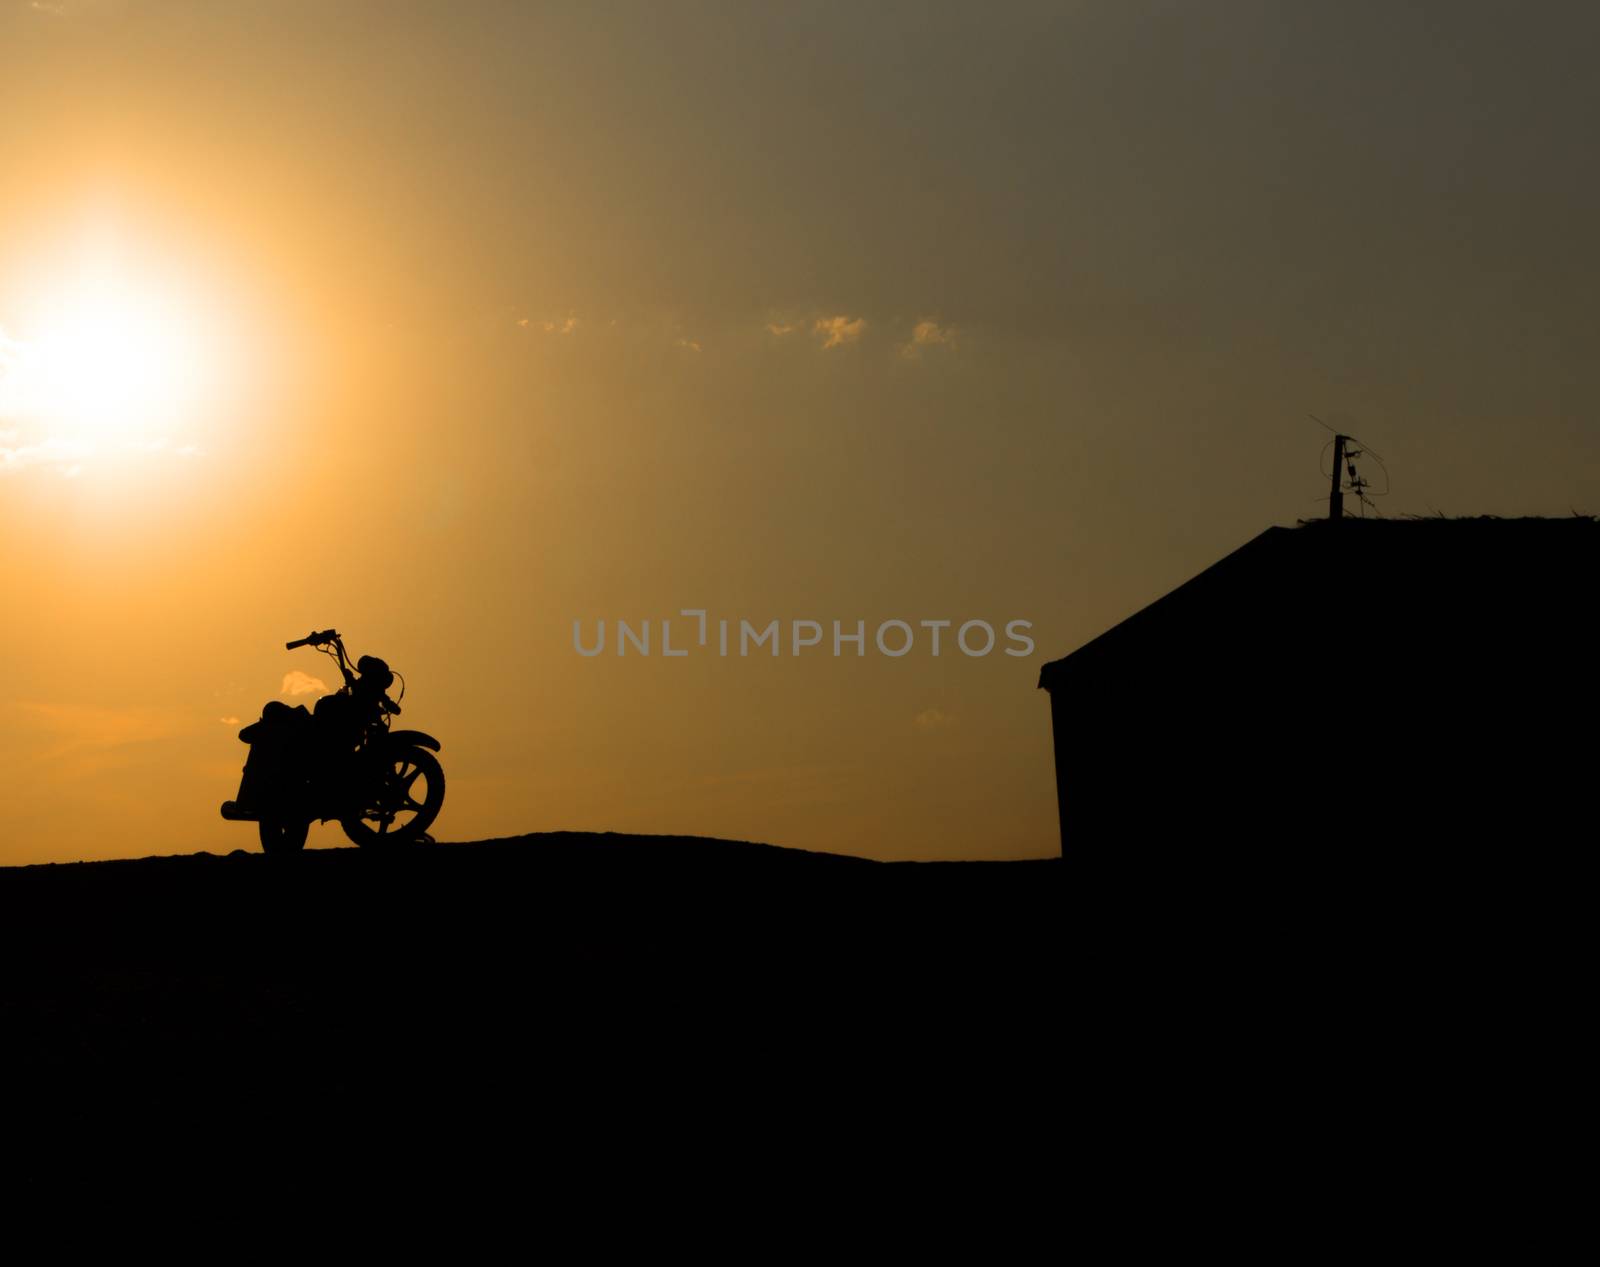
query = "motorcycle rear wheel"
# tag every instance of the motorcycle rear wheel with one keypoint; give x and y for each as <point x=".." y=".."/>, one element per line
<point x="398" y="815"/>
<point x="278" y="836"/>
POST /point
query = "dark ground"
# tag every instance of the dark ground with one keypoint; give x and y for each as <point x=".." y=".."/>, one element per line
<point x="581" y="982"/>
<point x="1171" y="1038"/>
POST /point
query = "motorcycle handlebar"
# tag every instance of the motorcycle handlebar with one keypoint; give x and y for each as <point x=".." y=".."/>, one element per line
<point x="311" y="640"/>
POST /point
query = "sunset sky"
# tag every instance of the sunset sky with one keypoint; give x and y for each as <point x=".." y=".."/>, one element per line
<point x="448" y="325"/>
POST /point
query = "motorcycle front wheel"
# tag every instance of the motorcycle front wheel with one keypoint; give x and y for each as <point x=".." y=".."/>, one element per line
<point x="405" y="803"/>
<point x="278" y="836"/>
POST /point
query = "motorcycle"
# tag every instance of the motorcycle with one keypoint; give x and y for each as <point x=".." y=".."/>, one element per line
<point x="341" y="763"/>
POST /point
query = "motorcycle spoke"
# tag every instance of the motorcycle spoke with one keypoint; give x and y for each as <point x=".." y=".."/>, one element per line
<point x="398" y="808"/>
<point x="402" y="784"/>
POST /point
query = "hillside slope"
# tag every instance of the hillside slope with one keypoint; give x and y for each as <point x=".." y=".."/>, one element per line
<point x="347" y="982"/>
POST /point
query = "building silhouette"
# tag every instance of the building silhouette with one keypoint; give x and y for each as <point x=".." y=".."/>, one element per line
<point x="1416" y="685"/>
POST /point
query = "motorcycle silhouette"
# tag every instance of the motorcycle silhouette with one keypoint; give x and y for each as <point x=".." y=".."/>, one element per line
<point x="341" y="762"/>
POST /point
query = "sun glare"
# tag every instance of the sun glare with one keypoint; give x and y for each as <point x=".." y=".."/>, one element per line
<point x="110" y="363"/>
<point x="112" y="352"/>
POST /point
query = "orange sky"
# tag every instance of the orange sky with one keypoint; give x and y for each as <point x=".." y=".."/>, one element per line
<point x="449" y="325"/>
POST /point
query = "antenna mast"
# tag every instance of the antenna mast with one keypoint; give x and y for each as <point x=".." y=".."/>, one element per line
<point x="1346" y="449"/>
<point x="1335" y="497"/>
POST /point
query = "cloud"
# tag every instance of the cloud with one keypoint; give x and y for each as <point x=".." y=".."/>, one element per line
<point x="693" y="345"/>
<point x="933" y="719"/>
<point x="14" y="357"/>
<point x="561" y="325"/>
<point x="838" y="331"/>
<point x="27" y="422"/>
<point x="298" y="683"/>
<point x="18" y="404"/>
<point x="927" y="334"/>
<point x="229" y="721"/>
<point x="74" y="8"/>
<point x="781" y="328"/>
<point x="64" y="455"/>
<point x="67" y="457"/>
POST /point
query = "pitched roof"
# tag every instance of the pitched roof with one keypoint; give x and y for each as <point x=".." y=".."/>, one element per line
<point x="1358" y="582"/>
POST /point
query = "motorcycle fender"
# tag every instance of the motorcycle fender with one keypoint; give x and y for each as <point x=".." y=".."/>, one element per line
<point x="403" y="737"/>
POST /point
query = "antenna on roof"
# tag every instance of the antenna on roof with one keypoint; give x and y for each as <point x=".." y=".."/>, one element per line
<point x="1358" y="486"/>
<point x="1335" y="494"/>
<point x="1344" y="478"/>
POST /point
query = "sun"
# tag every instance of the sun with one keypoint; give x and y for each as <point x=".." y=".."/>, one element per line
<point x="111" y="360"/>
<point x="115" y="343"/>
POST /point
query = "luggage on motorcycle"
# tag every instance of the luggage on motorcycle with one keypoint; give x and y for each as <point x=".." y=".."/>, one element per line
<point x="277" y="743"/>
<point x="275" y="715"/>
